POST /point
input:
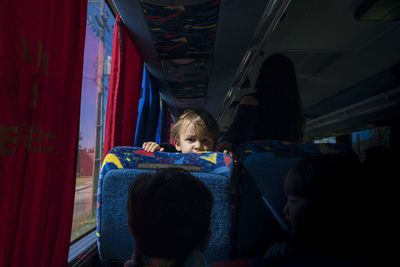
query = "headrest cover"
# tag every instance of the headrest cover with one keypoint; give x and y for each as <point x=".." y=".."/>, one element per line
<point x="137" y="158"/>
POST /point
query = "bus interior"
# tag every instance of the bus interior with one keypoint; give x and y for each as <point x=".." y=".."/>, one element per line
<point x="206" y="54"/>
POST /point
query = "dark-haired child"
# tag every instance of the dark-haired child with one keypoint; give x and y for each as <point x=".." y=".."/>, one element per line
<point x="169" y="217"/>
<point x="322" y="211"/>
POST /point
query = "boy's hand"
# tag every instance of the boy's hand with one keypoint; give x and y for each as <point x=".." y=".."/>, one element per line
<point x="226" y="147"/>
<point x="230" y="153"/>
<point x="152" y="147"/>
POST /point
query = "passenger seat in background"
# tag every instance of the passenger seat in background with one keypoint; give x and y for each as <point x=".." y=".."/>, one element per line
<point x="264" y="165"/>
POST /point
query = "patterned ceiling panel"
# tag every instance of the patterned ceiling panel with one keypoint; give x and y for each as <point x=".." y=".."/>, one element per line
<point x="197" y="69"/>
<point x="188" y="33"/>
<point x="185" y="103"/>
<point x="183" y="31"/>
<point x="189" y="89"/>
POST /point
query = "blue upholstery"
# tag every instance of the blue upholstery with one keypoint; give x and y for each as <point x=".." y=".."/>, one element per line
<point x="287" y="149"/>
<point x="266" y="164"/>
<point x="124" y="164"/>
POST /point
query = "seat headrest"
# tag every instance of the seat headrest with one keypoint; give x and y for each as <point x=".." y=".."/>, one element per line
<point x="137" y="158"/>
<point x="123" y="164"/>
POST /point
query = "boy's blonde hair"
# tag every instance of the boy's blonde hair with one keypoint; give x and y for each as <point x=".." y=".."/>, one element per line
<point x="201" y="119"/>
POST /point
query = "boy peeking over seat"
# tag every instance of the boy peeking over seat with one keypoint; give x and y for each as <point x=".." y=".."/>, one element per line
<point x="195" y="131"/>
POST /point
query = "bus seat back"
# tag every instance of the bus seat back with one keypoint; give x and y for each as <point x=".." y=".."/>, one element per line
<point x="265" y="165"/>
<point x="123" y="164"/>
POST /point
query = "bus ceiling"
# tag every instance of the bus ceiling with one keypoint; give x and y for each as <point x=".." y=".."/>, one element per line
<point x="208" y="37"/>
<point x="201" y="52"/>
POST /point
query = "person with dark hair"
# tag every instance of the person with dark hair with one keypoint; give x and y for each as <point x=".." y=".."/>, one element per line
<point x="195" y="131"/>
<point x="323" y="211"/>
<point x="380" y="172"/>
<point x="274" y="112"/>
<point x="169" y="217"/>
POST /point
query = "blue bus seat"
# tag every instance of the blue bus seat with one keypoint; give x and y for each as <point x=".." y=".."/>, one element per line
<point x="265" y="165"/>
<point x="123" y="164"/>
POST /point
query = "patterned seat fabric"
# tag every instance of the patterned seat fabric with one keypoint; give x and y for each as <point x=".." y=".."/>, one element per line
<point x="123" y="164"/>
<point x="133" y="157"/>
<point x="265" y="165"/>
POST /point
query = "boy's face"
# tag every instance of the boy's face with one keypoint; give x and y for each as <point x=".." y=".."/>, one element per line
<point x="297" y="214"/>
<point x="193" y="140"/>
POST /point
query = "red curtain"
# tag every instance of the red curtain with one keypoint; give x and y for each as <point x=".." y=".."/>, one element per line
<point x="124" y="90"/>
<point x="41" y="61"/>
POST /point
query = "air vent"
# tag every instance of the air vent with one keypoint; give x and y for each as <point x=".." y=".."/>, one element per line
<point x="368" y="106"/>
<point x="379" y="10"/>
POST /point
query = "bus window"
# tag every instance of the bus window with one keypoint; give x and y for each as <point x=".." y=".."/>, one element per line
<point x="362" y="140"/>
<point x="325" y="140"/>
<point x="96" y="70"/>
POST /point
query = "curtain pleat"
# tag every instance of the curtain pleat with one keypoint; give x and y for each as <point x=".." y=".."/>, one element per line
<point x="149" y="109"/>
<point x="41" y="64"/>
<point x="124" y="90"/>
<point x="162" y="129"/>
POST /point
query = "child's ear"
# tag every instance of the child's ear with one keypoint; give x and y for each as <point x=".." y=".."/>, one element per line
<point x="178" y="146"/>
